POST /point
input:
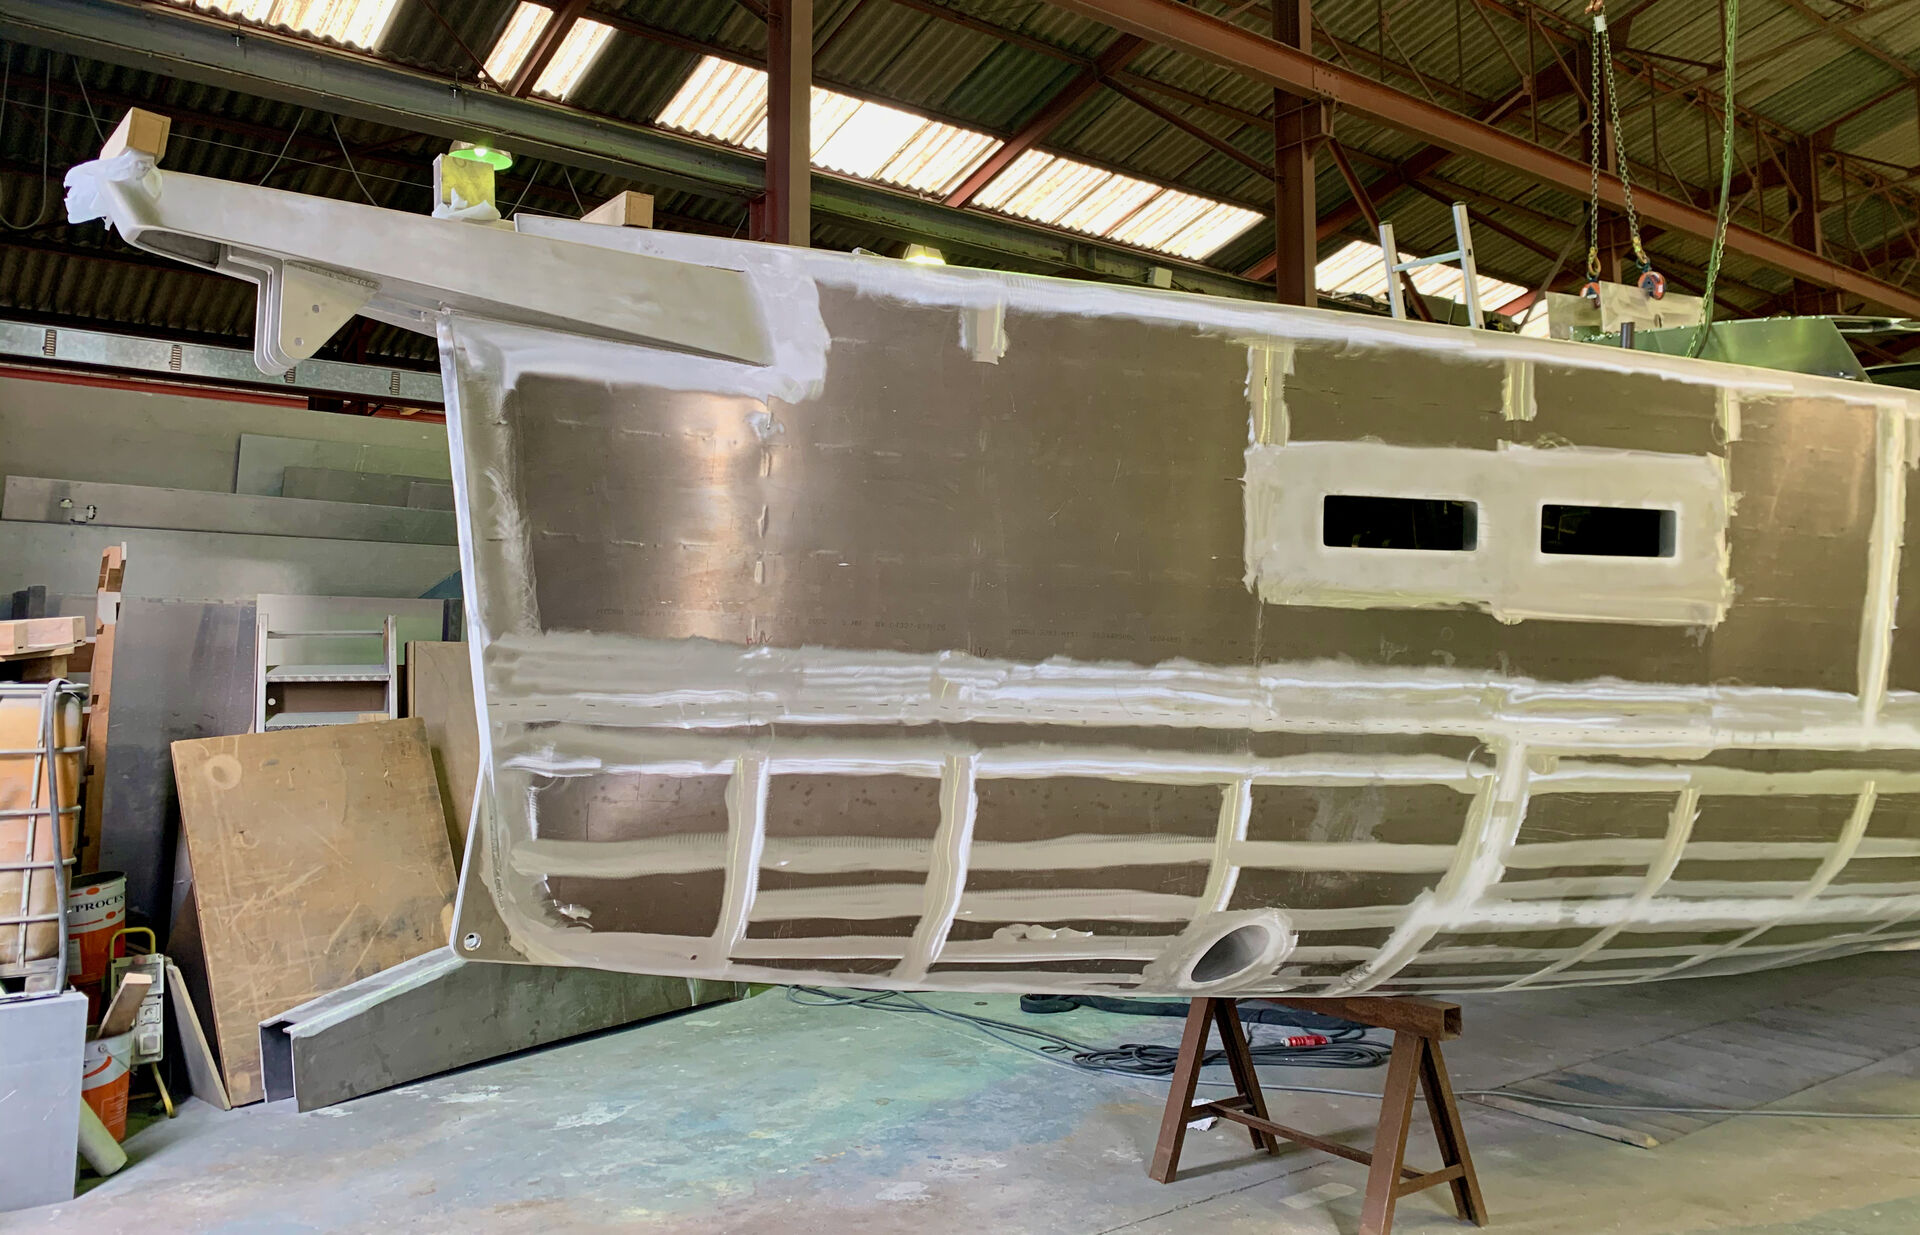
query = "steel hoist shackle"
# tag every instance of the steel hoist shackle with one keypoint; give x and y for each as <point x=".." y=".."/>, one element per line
<point x="1649" y="280"/>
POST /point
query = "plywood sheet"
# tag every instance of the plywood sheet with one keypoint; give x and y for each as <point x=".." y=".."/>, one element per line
<point x="440" y="693"/>
<point x="319" y="857"/>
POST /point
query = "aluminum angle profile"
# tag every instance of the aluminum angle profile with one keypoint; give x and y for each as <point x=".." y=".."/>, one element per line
<point x="318" y="262"/>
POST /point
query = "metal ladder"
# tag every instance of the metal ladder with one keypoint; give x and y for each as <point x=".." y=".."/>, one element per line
<point x="1462" y="252"/>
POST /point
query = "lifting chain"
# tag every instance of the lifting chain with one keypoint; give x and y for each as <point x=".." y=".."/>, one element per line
<point x="1650" y="281"/>
<point x="1726" y="185"/>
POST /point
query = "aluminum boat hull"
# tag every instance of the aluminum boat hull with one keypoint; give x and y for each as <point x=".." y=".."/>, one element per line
<point x="837" y="619"/>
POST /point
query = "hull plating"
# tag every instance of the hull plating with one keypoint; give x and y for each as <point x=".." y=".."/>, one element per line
<point x="954" y="630"/>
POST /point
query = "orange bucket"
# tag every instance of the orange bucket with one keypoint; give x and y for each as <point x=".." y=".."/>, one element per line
<point x="105" y="1077"/>
<point x="96" y="908"/>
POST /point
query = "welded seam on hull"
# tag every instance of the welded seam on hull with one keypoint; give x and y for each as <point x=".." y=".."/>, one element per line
<point x="1223" y="871"/>
<point x="1268" y="367"/>
<point x="746" y="837"/>
<point x="1844" y="849"/>
<point x="1883" y="563"/>
<point x="1491" y="826"/>
<point x="947" y="875"/>
<point x="561" y="680"/>
<point x="1516" y="390"/>
<point x="1686" y="808"/>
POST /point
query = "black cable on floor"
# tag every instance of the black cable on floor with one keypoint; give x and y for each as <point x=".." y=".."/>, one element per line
<point x="1347" y="1047"/>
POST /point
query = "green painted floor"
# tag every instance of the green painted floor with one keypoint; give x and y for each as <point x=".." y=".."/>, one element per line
<point x="763" y="1116"/>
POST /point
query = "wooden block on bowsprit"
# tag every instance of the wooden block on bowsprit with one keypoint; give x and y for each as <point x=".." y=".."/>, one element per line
<point x="139" y="130"/>
<point x="628" y="209"/>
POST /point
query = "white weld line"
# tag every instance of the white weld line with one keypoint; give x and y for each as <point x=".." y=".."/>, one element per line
<point x="988" y="981"/>
<point x="946" y="869"/>
<point x="1841" y="852"/>
<point x="1516" y="390"/>
<point x="1686" y="808"/>
<point x="746" y="835"/>
<point x="1493" y="821"/>
<point x="1883" y="563"/>
<point x="1055" y="904"/>
<point x="1386" y="857"/>
<point x="1624" y="851"/>
<point x="629" y="859"/>
<point x="1268" y="366"/>
<point x="1236" y="807"/>
<point x="858" y="902"/>
<point x="1089" y="852"/>
<point x="835" y="948"/>
<point x="572" y="682"/>
<point x="1564" y="889"/>
<point x="1582" y="777"/>
<point x="1021" y="951"/>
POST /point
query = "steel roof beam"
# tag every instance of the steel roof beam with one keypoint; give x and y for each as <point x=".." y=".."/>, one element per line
<point x="560" y="23"/>
<point x="183" y="45"/>
<point x="1052" y="113"/>
<point x="1220" y="42"/>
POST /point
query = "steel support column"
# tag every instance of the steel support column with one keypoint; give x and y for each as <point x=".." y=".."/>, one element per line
<point x="1803" y="181"/>
<point x="1298" y="126"/>
<point x="783" y="215"/>
<point x="1220" y="42"/>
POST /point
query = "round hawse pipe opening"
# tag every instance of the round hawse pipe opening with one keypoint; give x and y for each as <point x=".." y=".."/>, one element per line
<point x="1235" y="954"/>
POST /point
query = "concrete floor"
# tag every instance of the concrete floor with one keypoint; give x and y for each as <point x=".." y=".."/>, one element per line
<point x="765" y="1116"/>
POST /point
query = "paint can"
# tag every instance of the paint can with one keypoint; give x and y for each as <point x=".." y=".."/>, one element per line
<point x="96" y="909"/>
<point x="105" y="1078"/>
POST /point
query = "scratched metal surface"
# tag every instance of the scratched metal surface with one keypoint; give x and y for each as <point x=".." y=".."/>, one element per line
<point x="952" y="676"/>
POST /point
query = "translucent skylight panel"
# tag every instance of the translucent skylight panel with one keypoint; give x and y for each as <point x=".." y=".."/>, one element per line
<point x="356" y="22"/>
<point x="1012" y="178"/>
<point x="856" y="137"/>
<point x="728" y="103"/>
<point x="1213" y="229"/>
<point x="1161" y="219"/>
<point x="1047" y="191"/>
<point x="583" y="43"/>
<point x="571" y="60"/>
<point x="1066" y="193"/>
<point x="516" y="41"/>
<point x="864" y="139"/>
<point x="1116" y="201"/>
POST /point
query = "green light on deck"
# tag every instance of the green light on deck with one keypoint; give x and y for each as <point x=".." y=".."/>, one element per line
<point x="494" y="157"/>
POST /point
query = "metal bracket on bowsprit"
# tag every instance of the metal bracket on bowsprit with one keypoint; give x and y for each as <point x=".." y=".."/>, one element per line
<point x="299" y="307"/>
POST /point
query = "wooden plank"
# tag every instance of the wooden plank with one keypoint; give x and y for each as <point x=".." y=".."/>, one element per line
<point x="440" y="692"/>
<point x="113" y="569"/>
<point x="125" y="1006"/>
<point x="26" y="634"/>
<point x="203" y="1070"/>
<point x="319" y="858"/>
<point x="1430" y="1018"/>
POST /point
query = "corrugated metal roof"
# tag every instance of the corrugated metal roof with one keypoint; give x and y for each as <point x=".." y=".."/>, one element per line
<point x="357" y="23"/>
<point x="728" y="102"/>
<point x="960" y="89"/>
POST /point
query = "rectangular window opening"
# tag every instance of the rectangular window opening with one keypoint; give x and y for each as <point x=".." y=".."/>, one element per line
<point x="1428" y="524"/>
<point x="1607" y="531"/>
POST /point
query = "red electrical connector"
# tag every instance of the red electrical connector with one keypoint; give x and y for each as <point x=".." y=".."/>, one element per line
<point x="1305" y="1039"/>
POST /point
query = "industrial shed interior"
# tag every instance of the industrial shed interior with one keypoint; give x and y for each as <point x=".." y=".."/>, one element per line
<point x="1064" y="616"/>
